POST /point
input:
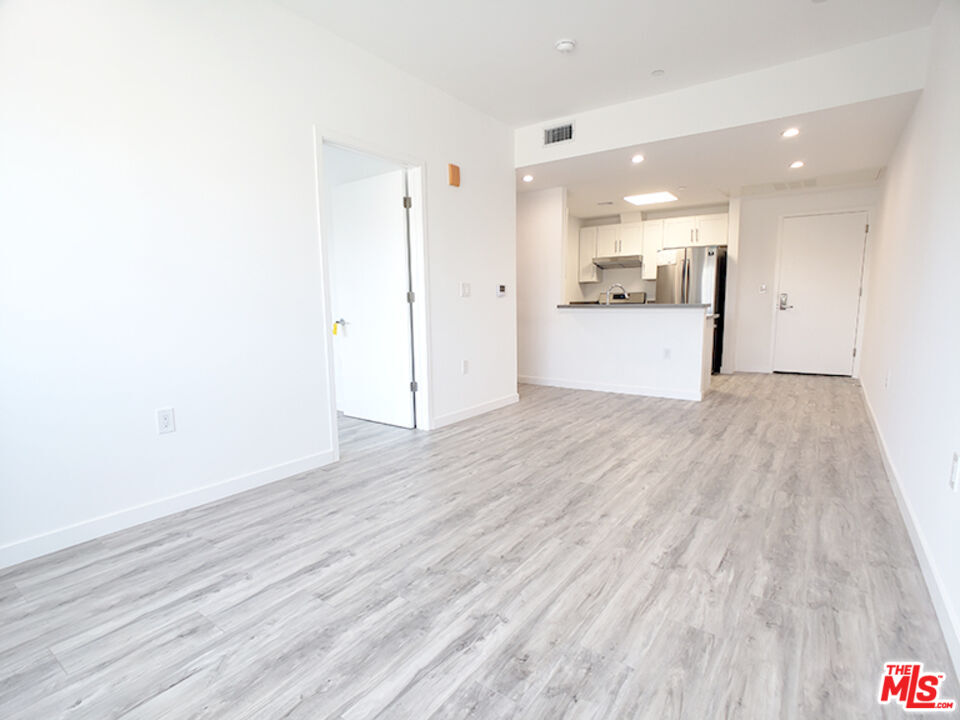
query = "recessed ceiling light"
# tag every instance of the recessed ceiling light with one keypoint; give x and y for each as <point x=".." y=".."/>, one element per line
<point x="658" y="73"/>
<point x="566" y="45"/>
<point x="796" y="164"/>
<point x="651" y="198"/>
<point x="637" y="159"/>
<point x="790" y="132"/>
<point x="528" y="178"/>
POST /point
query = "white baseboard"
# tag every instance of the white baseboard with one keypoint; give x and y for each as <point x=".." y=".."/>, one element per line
<point x="450" y="418"/>
<point x="670" y="393"/>
<point x="949" y="623"/>
<point x="32" y="547"/>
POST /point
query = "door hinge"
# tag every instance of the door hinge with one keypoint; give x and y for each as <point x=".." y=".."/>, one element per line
<point x="854" y="352"/>
<point x="413" y="386"/>
<point x="407" y="202"/>
<point x="410" y="296"/>
<point x="867" y="228"/>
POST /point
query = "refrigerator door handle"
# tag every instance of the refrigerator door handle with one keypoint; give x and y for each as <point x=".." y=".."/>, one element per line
<point x="685" y="281"/>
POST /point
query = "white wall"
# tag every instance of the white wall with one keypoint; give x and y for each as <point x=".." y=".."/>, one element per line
<point x="159" y="247"/>
<point x="880" y="68"/>
<point x="572" y="289"/>
<point x="541" y="235"/>
<point x="757" y="264"/>
<point x="912" y="339"/>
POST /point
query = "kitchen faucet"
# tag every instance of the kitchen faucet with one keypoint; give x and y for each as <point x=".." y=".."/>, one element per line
<point x="622" y="289"/>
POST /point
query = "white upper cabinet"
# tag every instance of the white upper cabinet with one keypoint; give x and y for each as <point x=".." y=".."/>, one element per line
<point x="678" y="232"/>
<point x="712" y="229"/>
<point x="697" y="230"/>
<point x="588" y="272"/>
<point x="652" y="244"/>
<point x="631" y="239"/>
<point x="608" y="240"/>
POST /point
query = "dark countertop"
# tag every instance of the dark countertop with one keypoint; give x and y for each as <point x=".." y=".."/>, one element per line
<point x="639" y="306"/>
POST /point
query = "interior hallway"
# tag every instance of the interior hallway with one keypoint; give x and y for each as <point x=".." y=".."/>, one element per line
<point x="578" y="554"/>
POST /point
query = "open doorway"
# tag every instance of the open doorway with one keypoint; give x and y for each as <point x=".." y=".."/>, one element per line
<point x="369" y="260"/>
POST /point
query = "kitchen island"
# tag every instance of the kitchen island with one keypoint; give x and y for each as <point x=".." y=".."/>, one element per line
<point x="638" y="349"/>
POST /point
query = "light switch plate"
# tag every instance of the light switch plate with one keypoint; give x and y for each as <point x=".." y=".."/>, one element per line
<point x="464" y="289"/>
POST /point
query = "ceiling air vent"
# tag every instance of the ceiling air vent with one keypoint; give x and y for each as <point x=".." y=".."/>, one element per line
<point x="559" y="134"/>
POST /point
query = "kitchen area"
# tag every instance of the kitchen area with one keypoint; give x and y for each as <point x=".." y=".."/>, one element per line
<point x="639" y="297"/>
<point x="672" y="261"/>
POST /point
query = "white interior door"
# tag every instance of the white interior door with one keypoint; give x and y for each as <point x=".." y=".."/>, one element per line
<point x="818" y="298"/>
<point x="369" y="279"/>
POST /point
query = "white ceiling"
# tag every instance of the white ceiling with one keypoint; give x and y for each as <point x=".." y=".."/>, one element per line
<point x="844" y="145"/>
<point x="498" y="55"/>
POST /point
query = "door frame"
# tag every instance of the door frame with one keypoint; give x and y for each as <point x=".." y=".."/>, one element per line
<point x="419" y="270"/>
<point x="864" y="275"/>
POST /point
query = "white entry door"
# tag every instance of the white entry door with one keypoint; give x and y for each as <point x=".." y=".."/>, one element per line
<point x="369" y="279"/>
<point x="818" y="297"/>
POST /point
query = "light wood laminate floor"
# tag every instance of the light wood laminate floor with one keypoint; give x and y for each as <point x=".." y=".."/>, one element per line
<point x="577" y="555"/>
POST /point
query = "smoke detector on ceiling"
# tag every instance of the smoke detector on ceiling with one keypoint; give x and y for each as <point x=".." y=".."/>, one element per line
<point x="565" y="46"/>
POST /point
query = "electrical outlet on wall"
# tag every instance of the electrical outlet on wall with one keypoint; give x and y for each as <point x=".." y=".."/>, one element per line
<point x="666" y="353"/>
<point x="886" y="380"/>
<point x="955" y="473"/>
<point x="464" y="367"/>
<point x="165" y="421"/>
<point x="464" y="289"/>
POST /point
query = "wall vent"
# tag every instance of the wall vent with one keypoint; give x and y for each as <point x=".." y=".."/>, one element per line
<point x="559" y="134"/>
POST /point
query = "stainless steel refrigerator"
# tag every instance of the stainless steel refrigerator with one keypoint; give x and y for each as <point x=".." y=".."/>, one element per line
<point x="696" y="276"/>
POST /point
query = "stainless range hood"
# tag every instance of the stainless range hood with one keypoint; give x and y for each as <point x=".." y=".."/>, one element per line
<point x="619" y="261"/>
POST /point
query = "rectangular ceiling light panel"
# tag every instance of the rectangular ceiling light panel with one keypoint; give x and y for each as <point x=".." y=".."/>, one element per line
<point x="651" y="198"/>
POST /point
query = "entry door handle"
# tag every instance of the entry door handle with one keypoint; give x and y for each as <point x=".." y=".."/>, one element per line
<point x="783" y="302"/>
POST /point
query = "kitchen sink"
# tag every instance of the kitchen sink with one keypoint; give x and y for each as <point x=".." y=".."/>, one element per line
<point x="638" y="298"/>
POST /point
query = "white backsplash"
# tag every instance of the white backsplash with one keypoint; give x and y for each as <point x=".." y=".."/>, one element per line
<point x="628" y="277"/>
